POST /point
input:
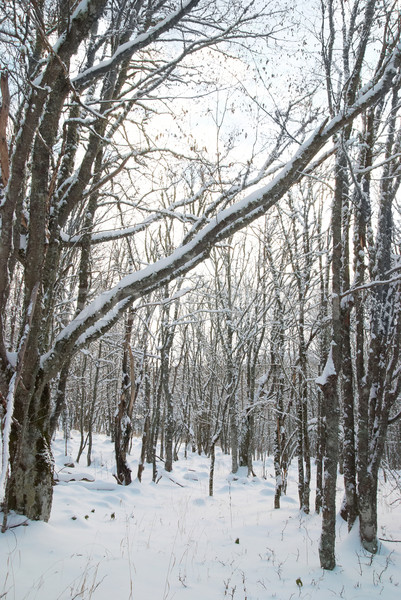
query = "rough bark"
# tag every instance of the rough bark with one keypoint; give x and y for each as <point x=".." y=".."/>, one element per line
<point x="30" y="485"/>
<point x="328" y="533"/>
<point x="349" y="509"/>
<point x="328" y="384"/>
<point x="123" y="418"/>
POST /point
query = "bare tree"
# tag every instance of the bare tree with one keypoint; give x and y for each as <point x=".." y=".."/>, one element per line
<point x="358" y="28"/>
<point x="89" y="71"/>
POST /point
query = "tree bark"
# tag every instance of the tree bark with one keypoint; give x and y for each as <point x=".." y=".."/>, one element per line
<point x="29" y="488"/>
<point x="328" y="384"/>
<point x="328" y="534"/>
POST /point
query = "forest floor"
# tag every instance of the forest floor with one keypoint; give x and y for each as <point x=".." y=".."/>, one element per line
<point x="170" y="540"/>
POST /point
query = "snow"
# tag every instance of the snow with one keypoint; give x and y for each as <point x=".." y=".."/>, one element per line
<point x="12" y="358"/>
<point x="168" y="541"/>
<point x="329" y="369"/>
<point x="127" y="49"/>
<point x="5" y="438"/>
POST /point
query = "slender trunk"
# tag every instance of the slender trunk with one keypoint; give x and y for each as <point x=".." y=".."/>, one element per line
<point x="328" y="534"/>
<point x="169" y="426"/>
<point x="300" y="453"/>
<point x="319" y="455"/>
<point x="350" y="505"/>
<point x="245" y="454"/>
<point x="212" y="463"/>
<point x="122" y="420"/>
<point x="123" y="430"/>
<point x="162" y="432"/>
<point x="60" y="403"/>
<point x="168" y="331"/>
<point x="82" y="442"/>
<point x="93" y="405"/>
<point x="304" y="467"/>
<point x="307" y="456"/>
<point x="146" y="429"/>
<point x="277" y="456"/>
<point x="328" y="384"/>
<point x="323" y="351"/>
<point x="155" y="430"/>
<point x="233" y="402"/>
<point x="90" y="444"/>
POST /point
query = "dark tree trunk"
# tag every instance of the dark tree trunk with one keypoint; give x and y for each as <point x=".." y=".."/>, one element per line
<point x="328" y="383"/>
<point x="328" y="535"/>
<point x="307" y="456"/>
<point x="122" y="437"/>
<point x="245" y="453"/>
<point x="349" y="509"/>
<point x="212" y="463"/>
<point x="82" y="408"/>
<point x="323" y="349"/>
<point x="167" y="334"/>
<point x="278" y="439"/>
<point x="29" y="488"/>
<point x="146" y="429"/>
<point x="320" y="449"/>
<point x="350" y="505"/>
<point x="122" y="421"/>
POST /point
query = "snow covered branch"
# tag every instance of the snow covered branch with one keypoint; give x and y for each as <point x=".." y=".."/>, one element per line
<point x="226" y="222"/>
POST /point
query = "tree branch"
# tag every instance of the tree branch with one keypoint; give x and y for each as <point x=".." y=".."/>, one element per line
<point x="228" y="221"/>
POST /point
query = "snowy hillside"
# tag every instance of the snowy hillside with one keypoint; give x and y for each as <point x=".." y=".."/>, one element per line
<point x="170" y="540"/>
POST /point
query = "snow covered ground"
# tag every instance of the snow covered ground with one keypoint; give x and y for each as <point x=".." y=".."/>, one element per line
<point x="170" y="540"/>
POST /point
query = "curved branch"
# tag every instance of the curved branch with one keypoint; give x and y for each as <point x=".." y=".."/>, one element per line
<point x="97" y="315"/>
<point x="394" y="419"/>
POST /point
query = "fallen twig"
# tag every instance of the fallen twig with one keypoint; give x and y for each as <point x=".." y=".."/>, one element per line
<point x="176" y="482"/>
<point x="22" y="524"/>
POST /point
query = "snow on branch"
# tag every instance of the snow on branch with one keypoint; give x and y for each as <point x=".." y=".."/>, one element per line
<point x="12" y="389"/>
<point x="371" y="284"/>
<point x="328" y="371"/>
<point x="125" y="51"/>
<point x="223" y="225"/>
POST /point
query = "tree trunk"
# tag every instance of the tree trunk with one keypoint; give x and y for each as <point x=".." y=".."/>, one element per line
<point x="212" y="463"/>
<point x="350" y="506"/>
<point x="328" y="383"/>
<point x="123" y="430"/>
<point x="320" y="448"/>
<point x="146" y="428"/>
<point x="367" y="496"/>
<point x="277" y="459"/>
<point x="169" y="432"/>
<point x="60" y="403"/>
<point x="328" y="535"/>
<point x="380" y="387"/>
<point x="307" y="456"/>
<point x="245" y="454"/>
<point x="29" y="489"/>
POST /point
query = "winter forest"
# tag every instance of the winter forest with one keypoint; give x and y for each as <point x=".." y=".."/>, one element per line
<point x="200" y="255"/>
